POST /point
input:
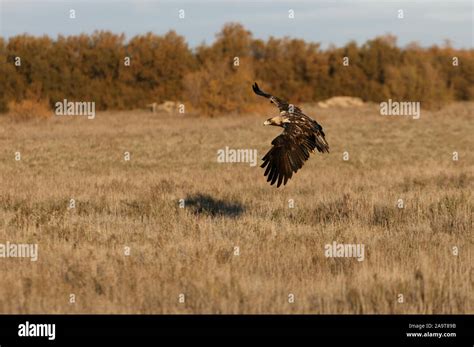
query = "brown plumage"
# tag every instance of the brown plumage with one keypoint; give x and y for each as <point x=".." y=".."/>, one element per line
<point x="300" y="137"/>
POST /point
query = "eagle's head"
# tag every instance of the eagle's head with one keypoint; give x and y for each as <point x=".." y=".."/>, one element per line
<point x="276" y="121"/>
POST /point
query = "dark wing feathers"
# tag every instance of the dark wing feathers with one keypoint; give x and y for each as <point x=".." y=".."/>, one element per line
<point x="289" y="152"/>
<point x="281" y="104"/>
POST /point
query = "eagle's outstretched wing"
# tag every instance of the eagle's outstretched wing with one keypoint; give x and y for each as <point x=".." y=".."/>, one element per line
<point x="291" y="149"/>
<point x="281" y="104"/>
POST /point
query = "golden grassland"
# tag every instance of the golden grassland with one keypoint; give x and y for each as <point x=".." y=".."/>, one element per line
<point x="190" y="250"/>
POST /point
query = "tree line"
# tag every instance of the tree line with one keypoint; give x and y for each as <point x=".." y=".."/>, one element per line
<point x="117" y="73"/>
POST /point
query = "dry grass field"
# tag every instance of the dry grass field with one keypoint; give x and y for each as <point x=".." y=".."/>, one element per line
<point x="173" y="250"/>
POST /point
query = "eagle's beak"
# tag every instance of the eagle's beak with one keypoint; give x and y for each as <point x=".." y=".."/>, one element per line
<point x="267" y="122"/>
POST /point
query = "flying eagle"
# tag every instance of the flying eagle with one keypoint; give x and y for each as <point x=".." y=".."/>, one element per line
<point x="300" y="136"/>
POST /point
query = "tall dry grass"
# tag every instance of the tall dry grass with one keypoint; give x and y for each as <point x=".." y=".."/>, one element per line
<point x="172" y="250"/>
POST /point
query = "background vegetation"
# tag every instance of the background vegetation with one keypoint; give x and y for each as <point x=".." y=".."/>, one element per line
<point x="91" y="67"/>
<point x="135" y="204"/>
